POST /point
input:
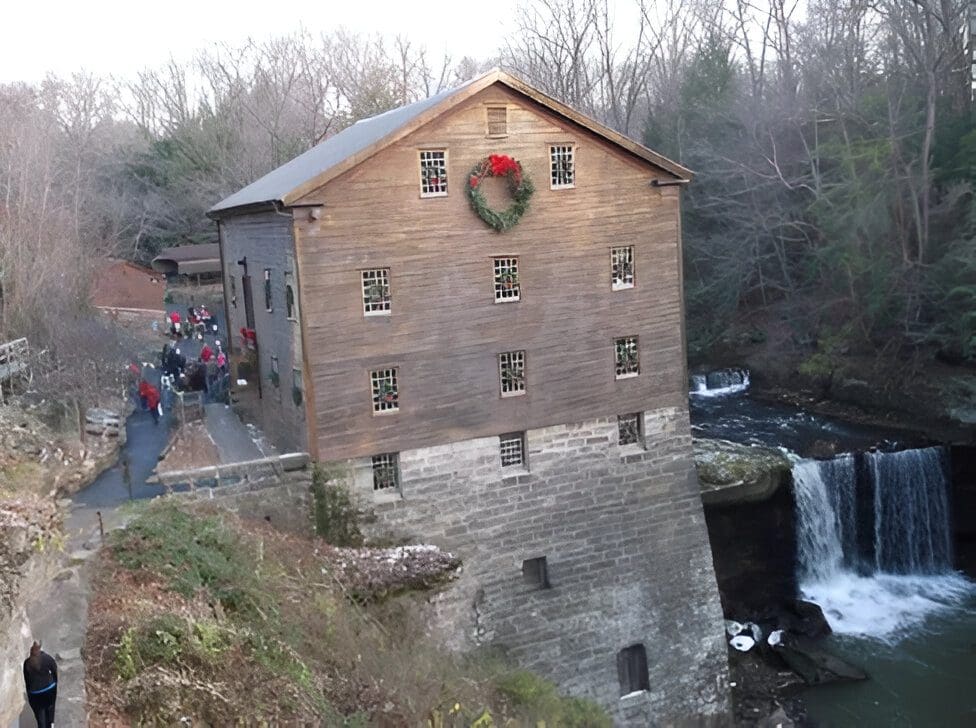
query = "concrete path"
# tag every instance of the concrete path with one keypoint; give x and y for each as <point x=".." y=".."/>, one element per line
<point x="59" y="618"/>
<point x="230" y="435"/>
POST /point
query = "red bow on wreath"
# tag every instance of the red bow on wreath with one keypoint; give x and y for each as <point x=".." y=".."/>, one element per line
<point x="521" y="187"/>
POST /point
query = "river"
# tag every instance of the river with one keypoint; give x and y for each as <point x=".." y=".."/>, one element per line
<point x="874" y="550"/>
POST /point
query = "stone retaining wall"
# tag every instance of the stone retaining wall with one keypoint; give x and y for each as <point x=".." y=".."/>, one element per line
<point x="627" y="554"/>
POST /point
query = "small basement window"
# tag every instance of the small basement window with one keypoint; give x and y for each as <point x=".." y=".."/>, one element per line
<point x="383" y="383"/>
<point x="629" y="429"/>
<point x="386" y="472"/>
<point x="376" y="292"/>
<point x="267" y="289"/>
<point x="622" y="267"/>
<point x="535" y="573"/>
<point x="274" y="376"/>
<point x="511" y="373"/>
<point x="433" y="173"/>
<point x="497" y="121"/>
<point x="512" y="449"/>
<point x="626" y="357"/>
<point x="562" y="166"/>
<point x="632" y="669"/>
<point x="506" y="280"/>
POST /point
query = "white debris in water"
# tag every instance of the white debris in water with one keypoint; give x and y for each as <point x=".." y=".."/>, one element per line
<point x="733" y="628"/>
<point x="754" y="629"/>
<point x="775" y="637"/>
<point x="742" y="643"/>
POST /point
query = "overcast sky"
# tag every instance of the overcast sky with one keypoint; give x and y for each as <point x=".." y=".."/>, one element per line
<point x="123" y="36"/>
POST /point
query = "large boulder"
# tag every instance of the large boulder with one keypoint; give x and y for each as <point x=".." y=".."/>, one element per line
<point x="733" y="473"/>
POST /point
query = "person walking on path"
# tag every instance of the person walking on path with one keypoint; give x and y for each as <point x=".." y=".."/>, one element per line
<point x="150" y="399"/>
<point x="41" y="682"/>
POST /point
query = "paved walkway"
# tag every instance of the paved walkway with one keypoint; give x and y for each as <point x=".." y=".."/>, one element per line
<point x="59" y="617"/>
<point x="232" y="438"/>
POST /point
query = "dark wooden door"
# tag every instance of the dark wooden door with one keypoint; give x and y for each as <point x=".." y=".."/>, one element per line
<point x="248" y="301"/>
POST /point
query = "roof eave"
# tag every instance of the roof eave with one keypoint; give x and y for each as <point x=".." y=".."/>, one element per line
<point x="217" y="213"/>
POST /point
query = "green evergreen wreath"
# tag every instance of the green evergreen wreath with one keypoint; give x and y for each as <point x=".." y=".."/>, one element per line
<point x="500" y="165"/>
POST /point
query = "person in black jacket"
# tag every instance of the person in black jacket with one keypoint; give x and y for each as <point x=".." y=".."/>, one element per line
<point x="41" y="681"/>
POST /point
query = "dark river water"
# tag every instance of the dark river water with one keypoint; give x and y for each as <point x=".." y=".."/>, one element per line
<point x="912" y="629"/>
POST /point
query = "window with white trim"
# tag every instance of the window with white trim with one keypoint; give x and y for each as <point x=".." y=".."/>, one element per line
<point x="497" y="117"/>
<point x="511" y="373"/>
<point x="506" y="279"/>
<point x="512" y="449"/>
<point x="376" y="292"/>
<point x="386" y="472"/>
<point x="626" y="357"/>
<point x="433" y="173"/>
<point x="622" y="267"/>
<point x="562" y="166"/>
<point x="386" y="397"/>
<point x="630" y="429"/>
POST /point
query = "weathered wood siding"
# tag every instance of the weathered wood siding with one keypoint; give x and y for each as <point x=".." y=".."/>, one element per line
<point x="446" y="330"/>
<point x="266" y="240"/>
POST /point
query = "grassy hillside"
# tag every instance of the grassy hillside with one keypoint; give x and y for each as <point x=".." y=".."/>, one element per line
<point x="202" y="617"/>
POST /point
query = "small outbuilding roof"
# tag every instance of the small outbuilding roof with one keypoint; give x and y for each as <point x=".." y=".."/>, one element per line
<point x="356" y="143"/>
<point x="188" y="259"/>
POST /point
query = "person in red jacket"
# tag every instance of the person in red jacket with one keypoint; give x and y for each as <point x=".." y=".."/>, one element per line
<point x="206" y="354"/>
<point x="174" y="323"/>
<point x="149" y="396"/>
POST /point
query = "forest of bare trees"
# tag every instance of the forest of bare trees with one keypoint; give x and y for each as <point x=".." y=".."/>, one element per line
<point x="833" y="141"/>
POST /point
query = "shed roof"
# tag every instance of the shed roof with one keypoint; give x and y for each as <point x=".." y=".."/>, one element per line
<point x="356" y="143"/>
<point x="187" y="259"/>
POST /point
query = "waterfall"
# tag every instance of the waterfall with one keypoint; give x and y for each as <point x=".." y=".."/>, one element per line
<point x="873" y="539"/>
<point x="720" y="382"/>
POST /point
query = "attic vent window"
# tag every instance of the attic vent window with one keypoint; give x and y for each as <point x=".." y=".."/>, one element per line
<point x="433" y="173"/>
<point x="562" y="166"/>
<point x="497" y="121"/>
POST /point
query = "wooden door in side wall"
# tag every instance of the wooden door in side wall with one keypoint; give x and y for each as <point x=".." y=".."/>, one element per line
<point x="248" y="301"/>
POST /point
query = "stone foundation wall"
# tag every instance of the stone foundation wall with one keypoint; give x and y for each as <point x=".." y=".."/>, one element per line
<point x="627" y="552"/>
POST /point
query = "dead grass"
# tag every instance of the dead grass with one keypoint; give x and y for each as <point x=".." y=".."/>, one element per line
<point x="223" y="622"/>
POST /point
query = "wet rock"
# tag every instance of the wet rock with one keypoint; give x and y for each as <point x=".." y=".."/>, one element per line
<point x="804" y="618"/>
<point x="823" y="449"/>
<point x="815" y="664"/>
<point x="731" y="473"/>
<point x="778" y="719"/>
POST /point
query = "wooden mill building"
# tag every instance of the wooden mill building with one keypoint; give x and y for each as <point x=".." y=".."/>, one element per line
<point x="518" y="397"/>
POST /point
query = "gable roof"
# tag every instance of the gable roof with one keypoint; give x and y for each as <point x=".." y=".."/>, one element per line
<point x="356" y="143"/>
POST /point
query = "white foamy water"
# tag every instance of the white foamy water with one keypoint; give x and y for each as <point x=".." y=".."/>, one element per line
<point x="883" y="576"/>
<point x="885" y="607"/>
<point x="723" y="383"/>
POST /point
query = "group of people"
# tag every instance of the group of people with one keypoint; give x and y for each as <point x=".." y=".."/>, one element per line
<point x="206" y="373"/>
<point x="199" y="322"/>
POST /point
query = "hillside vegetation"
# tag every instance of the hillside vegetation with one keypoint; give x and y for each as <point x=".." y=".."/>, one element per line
<point x="205" y="619"/>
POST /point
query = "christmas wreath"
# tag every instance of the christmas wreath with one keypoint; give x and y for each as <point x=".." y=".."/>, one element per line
<point x="500" y="165"/>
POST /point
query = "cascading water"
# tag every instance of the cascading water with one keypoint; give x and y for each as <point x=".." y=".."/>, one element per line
<point x="720" y="382"/>
<point x="873" y="540"/>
